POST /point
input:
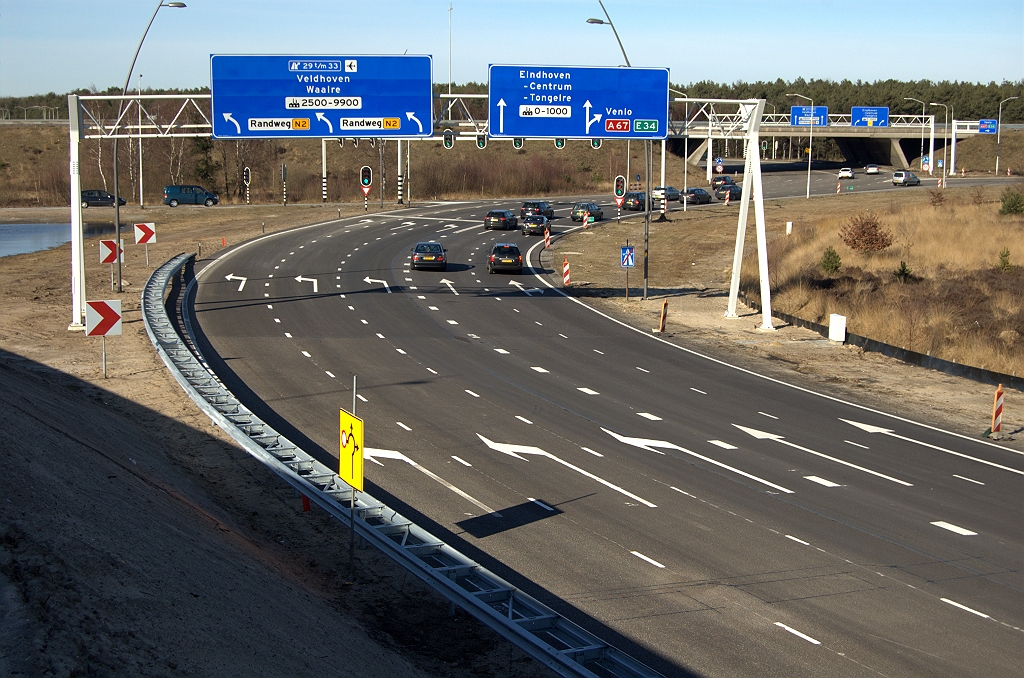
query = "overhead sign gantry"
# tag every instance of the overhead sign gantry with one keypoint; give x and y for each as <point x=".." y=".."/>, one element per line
<point x="261" y="96"/>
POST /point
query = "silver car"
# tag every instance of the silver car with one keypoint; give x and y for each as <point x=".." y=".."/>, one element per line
<point x="905" y="178"/>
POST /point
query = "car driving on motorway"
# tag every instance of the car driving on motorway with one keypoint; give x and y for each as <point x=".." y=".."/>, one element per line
<point x="905" y="178"/>
<point x="581" y="208"/>
<point x="720" y="180"/>
<point x="635" y="201"/>
<point x="697" y="196"/>
<point x="668" y="193"/>
<point x="732" y="190"/>
<point x="429" y="255"/>
<point x="535" y="225"/>
<point x="846" y="173"/>
<point x="505" y="256"/>
<point x="503" y="219"/>
<point x="871" y="169"/>
<point x="540" y="207"/>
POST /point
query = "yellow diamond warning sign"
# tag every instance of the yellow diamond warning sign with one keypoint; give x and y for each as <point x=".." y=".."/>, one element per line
<point x="350" y="455"/>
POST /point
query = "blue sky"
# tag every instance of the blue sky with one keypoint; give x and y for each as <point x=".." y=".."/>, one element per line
<point x="58" y="45"/>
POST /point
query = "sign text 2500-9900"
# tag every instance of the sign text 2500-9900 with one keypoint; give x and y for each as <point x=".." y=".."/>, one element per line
<point x="323" y="102"/>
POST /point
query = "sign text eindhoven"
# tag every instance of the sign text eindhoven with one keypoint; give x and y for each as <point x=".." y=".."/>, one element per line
<point x="578" y="102"/>
<point x="287" y="96"/>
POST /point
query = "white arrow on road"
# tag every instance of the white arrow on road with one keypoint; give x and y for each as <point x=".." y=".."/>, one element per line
<point x="501" y="116"/>
<point x="373" y="454"/>
<point x="889" y="432"/>
<point x="586" y="115"/>
<point x="445" y="281"/>
<point x="762" y="435"/>
<point x="300" y="278"/>
<point x="232" y="276"/>
<point x="649" y="445"/>
<point x="228" y="118"/>
<point x="323" y="118"/>
<point x="517" y="450"/>
<point x="523" y="289"/>
<point x="412" y="116"/>
<point x="370" y="280"/>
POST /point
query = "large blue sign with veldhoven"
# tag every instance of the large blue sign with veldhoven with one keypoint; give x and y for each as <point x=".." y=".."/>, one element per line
<point x="254" y="96"/>
<point x="869" y="116"/>
<point x="801" y="116"/>
<point x="988" y="126"/>
<point x="577" y="102"/>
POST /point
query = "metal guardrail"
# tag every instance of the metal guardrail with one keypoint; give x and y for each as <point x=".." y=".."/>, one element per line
<point x="559" y="644"/>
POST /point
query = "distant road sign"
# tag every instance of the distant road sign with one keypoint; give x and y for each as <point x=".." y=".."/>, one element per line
<point x="719" y="168"/>
<point x="867" y="116"/>
<point x="145" y="234"/>
<point x="718" y="161"/>
<point x="350" y="457"/>
<point x="108" y="252"/>
<point x="801" y="116"/>
<point x="263" y="96"/>
<point x="578" y="102"/>
<point x="988" y="126"/>
<point x="628" y="257"/>
<point x="103" y="318"/>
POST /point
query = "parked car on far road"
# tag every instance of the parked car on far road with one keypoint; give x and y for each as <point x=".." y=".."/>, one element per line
<point x="93" y="198"/>
<point x="846" y="173"/>
<point x="503" y="219"/>
<point x="189" y="195"/>
<point x="581" y="208"/>
<point x="905" y="178"/>
<point x="697" y="196"/>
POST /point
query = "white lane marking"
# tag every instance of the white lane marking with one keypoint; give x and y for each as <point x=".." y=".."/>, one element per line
<point x="822" y="481"/>
<point x="471" y="393"/>
<point x="468" y="228"/>
<point x="799" y="541"/>
<point x="761" y="435"/>
<point x="453" y="322"/>
<point x="516" y="450"/>
<point x="372" y="454"/>
<point x="288" y="334"/>
<point x="977" y="482"/>
<point x="541" y="504"/>
<point x="420" y="296"/>
<point x="649" y="445"/>
<point x="798" y="634"/>
<point x="516" y="310"/>
<point x="408" y="280"/>
<point x="648" y="415"/>
<point x="306" y="353"/>
<point x="360" y="396"/>
<point x="431" y="370"/>
<point x="270" y="306"/>
<point x="964" y="607"/>
<point x="432" y="308"/>
<point x="351" y="308"/>
<point x="539" y="369"/>
<point x="495" y="298"/>
<point x="588" y="391"/>
<point x="643" y="370"/>
<point x="587" y="449"/>
<point x="413" y="287"/>
<point x="400" y="351"/>
<point x="652" y="561"/>
<point x="380" y="336"/>
<point x="598" y="352"/>
<point x="501" y="351"/>
<point x="541" y="324"/>
<point x="863" y="447"/>
<point x="698" y="391"/>
<point x="770" y="416"/>
<point x="461" y="461"/>
<point x="724" y="445"/>
<point x="562" y="336"/>
<point x="403" y="426"/>
<point x="266" y="294"/>
<point x="363" y="320"/>
<point x="681" y="491"/>
<point x="330" y="374"/>
<point x="524" y="419"/>
<point x="954" y="528"/>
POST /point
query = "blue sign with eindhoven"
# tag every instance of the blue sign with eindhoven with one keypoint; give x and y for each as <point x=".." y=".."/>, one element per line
<point x="867" y="116"/>
<point x="577" y="102"/>
<point x="801" y="116"/>
<point x="262" y="96"/>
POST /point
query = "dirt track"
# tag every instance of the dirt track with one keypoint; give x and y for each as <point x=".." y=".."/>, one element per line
<point x="138" y="540"/>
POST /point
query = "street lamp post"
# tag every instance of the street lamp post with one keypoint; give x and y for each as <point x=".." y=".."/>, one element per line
<point x="602" y="22"/>
<point x="810" y="142"/>
<point x="999" y="129"/>
<point x="120" y="108"/>
<point x="922" y="127"/>
<point x="773" y="123"/>
<point x="945" y="140"/>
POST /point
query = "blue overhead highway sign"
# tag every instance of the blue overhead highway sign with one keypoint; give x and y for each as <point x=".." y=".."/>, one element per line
<point x="261" y="96"/>
<point x="577" y="102"/>
<point x="868" y="116"/>
<point x="800" y="116"/>
<point x="988" y="126"/>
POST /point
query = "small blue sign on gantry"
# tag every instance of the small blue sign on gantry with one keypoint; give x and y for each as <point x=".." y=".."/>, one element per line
<point x="869" y="116"/>
<point x="802" y="116"/>
<point x="577" y="102"/>
<point x="988" y="126"/>
<point x="628" y="256"/>
<point x="264" y="96"/>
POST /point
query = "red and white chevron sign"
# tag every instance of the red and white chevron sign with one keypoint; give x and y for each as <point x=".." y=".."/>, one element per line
<point x="108" y="252"/>
<point x="145" y="234"/>
<point x="102" y="318"/>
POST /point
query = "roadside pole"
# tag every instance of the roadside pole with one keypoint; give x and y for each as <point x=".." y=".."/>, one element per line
<point x="323" y="169"/>
<point x="664" y="186"/>
<point x="352" y="506"/>
<point x="648" y="168"/>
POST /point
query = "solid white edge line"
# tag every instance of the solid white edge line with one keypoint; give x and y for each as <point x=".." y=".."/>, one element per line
<point x="652" y="561"/>
<point x="752" y="373"/>
<point x="798" y="634"/>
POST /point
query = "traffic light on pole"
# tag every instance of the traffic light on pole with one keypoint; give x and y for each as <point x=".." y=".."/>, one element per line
<point x="595" y="143"/>
<point x="620" y="186"/>
<point x="517" y="142"/>
<point x="559" y="143"/>
<point x="366" y="176"/>
<point x="481" y="141"/>
<point x="448" y="138"/>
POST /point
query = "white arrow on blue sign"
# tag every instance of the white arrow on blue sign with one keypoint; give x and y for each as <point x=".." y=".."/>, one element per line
<point x="628" y="257"/>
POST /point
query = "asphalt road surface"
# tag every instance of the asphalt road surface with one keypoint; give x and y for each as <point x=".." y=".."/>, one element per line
<point x="707" y="520"/>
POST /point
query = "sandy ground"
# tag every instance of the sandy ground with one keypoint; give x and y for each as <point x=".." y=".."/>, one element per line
<point x="137" y="539"/>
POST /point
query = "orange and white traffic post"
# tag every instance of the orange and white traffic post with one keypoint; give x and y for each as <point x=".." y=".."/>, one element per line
<point x="547" y="239"/>
<point x="728" y="194"/>
<point x="997" y="411"/>
<point x="565" y="271"/>
<point x="839" y="187"/>
<point x="664" y="316"/>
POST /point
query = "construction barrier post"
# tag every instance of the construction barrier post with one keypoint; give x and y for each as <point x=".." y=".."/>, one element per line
<point x="547" y="239"/>
<point x="565" y="271"/>
<point x="997" y="411"/>
<point x="664" y="315"/>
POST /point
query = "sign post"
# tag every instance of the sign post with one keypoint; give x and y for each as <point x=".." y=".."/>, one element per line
<point x="350" y="465"/>
<point x="103" y="318"/>
<point x="109" y="255"/>
<point x="627" y="260"/>
<point x="145" y="234"/>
